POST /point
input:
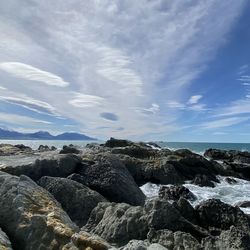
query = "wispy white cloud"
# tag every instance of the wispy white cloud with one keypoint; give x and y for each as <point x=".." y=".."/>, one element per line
<point x="221" y="123"/>
<point x="31" y="73"/>
<point x="2" y="88"/>
<point x="85" y="101"/>
<point x="194" y="99"/>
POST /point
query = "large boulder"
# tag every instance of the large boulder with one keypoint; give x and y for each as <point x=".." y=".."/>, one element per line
<point x="76" y="199"/>
<point x="33" y="219"/>
<point x="107" y="175"/>
<point x="215" y="213"/>
<point x="56" y="165"/>
<point x="69" y="150"/>
<point x="118" y="223"/>
<point x="8" y="149"/>
<point x="113" y="143"/>
<point x="4" y="241"/>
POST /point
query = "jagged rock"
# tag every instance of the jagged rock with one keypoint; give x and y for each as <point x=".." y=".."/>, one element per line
<point x="173" y="240"/>
<point x="118" y="223"/>
<point x="217" y="154"/>
<point x="163" y="215"/>
<point x="112" y="143"/>
<point x="135" y="245"/>
<point x="175" y="193"/>
<point x="78" y="178"/>
<point x="243" y="204"/>
<point x="232" y="239"/>
<point x="186" y="210"/>
<point x="33" y="219"/>
<point x="202" y="181"/>
<point x="215" y="213"/>
<point x="23" y="147"/>
<point x="4" y="241"/>
<point x="107" y="175"/>
<point x="56" y="166"/>
<point x="69" y="150"/>
<point x="76" y="199"/>
<point x="43" y="148"/>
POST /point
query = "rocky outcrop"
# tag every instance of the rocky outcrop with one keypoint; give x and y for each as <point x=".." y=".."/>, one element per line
<point x="76" y="199"/>
<point x="45" y="148"/>
<point x="213" y="213"/>
<point x="69" y="150"/>
<point x="33" y="219"/>
<point x="113" y="143"/>
<point x="4" y="241"/>
<point x="175" y="193"/>
<point x="202" y="181"/>
<point x="107" y="175"/>
<point x="8" y="149"/>
<point x="56" y="165"/>
<point x="243" y="204"/>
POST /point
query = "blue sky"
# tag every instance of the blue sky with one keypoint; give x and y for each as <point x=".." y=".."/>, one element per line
<point x="153" y="70"/>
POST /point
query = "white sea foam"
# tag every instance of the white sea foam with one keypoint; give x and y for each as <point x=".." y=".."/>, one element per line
<point x="228" y="193"/>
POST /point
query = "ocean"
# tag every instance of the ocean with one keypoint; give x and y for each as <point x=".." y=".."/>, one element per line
<point x="197" y="147"/>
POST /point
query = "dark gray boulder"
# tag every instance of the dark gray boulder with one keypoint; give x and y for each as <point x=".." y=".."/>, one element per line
<point x="107" y="175"/>
<point x="76" y="199"/>
<point x="202" y="181"/>
<point x="175" y="193"/>
<point x="214" y="213"/>
<point x="243" y="204"/>
<point x="118" y="223"/>
<point x="69" y="150"/>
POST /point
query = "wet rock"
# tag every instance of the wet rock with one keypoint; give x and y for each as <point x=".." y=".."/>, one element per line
<point x="230" y="180"/>
<point x="32" y="218"/>
<point x="4" y="241"/>
<point x="215" y="213"/>
<point x="107" y="175"/>
<point x="243" y="204"/>
<point x="175" y="193"/>
<point x="202" y="181"/>
<point x="118" y="223"/>
<point x="56" y="166"/>
<point x="112" y="143"/>
<point x="217" y="154"/>
<point x="173" y="240"/>
<point x="43" y="148"/>
<point x="23" y="147"/>
<point x="69" y="150"/>
<point x="232" y="239"/>
<point x="76" y="199"/>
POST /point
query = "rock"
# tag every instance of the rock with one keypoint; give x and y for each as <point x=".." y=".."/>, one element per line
<point x="76" y="199"/>
<point x="135" y="245"/>
<point x="56" y="166"/>
<point x="202" y="181"/>
<point x="186" y="210"/>
<point x="175" y="193"/>
<point x="112" y="143"/>
<point x="156" y="246"/>
<point x="217" y="154"/>
<point x="107" y="175"/>
<point x="69" y="150"/>
<point x="32" y="218"/>
<point x="215" y="213"/>
<point x="230" y="180"/>
<point x="8" y="149"/>
<point x="163" y="215"/>
<point x="118" y="223"/>
<point x="43" y="148"/>
<point x="243" y="204"/>
<point x="78" y="178"/>
<point x="173" y="240"/>
<point x="4" y="241"/>
<point x="232" y="239"/>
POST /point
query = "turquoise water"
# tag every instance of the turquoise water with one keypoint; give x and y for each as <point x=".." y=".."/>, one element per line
<point x="198" y="147"/>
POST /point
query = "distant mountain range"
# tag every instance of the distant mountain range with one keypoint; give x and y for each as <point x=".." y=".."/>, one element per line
<point x="42" y="135"/>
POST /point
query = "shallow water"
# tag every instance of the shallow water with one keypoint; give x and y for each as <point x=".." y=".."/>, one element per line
<point x="228" y="193"/>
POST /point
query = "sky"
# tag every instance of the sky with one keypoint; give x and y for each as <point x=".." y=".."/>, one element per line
<point x="143" y="70"/>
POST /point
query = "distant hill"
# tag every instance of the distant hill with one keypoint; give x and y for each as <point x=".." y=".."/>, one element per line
<point x="42" y="135"/>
